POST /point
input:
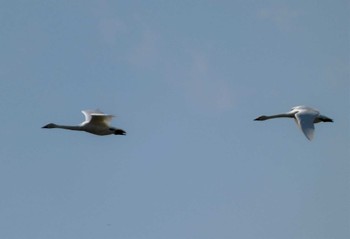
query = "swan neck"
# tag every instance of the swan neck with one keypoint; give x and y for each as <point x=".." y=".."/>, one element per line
<point x="68" y="127"/>
<point x="284" y="115"/>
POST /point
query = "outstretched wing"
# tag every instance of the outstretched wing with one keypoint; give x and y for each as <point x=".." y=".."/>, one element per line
<point x="96" y="117"/>
<point x="305" y="120"/>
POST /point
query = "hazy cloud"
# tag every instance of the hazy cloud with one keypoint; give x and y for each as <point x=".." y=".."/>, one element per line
<point x="204" y="89"/>
<point x="110" y="29"/>
<point x="109" y="26"/>
<point x="145" y="52"/>
<point x="284" y="17"/>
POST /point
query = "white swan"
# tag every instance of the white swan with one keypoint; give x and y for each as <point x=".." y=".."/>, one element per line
<point x="95" y="122"/>
<point x="304" y="116"/>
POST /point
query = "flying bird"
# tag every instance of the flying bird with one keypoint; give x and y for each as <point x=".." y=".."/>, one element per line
<point x="95" y="122"/>
<point x="304" y="116"/>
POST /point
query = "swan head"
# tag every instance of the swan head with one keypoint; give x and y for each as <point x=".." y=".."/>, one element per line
<point x="260" y="118"/>
<point x="49" y="126"/>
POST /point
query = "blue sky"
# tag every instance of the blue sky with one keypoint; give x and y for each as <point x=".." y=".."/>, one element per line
<point x="185" y="79"/>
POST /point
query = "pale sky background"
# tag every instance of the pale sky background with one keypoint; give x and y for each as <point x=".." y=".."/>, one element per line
<point x="185" y="79"/>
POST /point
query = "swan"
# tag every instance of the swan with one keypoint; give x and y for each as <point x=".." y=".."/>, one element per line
<point x="304" y="116"/>
<point x="95" y="122"/>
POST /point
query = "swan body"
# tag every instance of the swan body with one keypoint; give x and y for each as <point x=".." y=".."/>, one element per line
<point x="95" y="122"/>
<point x="304" y="116"/>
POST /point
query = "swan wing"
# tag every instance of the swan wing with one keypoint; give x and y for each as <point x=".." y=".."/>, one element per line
<point x="305" y="120"/>
<point x="304" y="108"/>
<point x="96" y="117"/>
<point x="87" y="114"/>
<point x="101" y="119"/>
